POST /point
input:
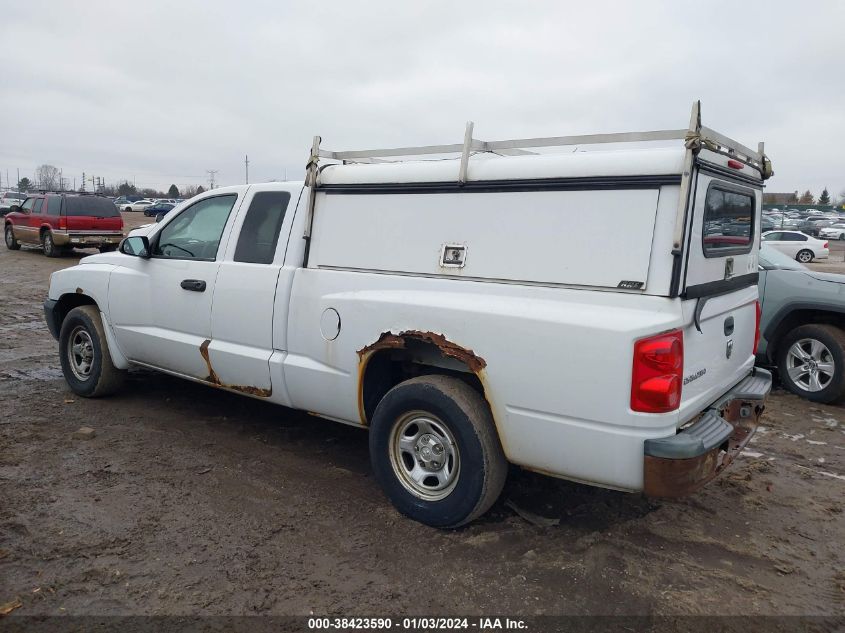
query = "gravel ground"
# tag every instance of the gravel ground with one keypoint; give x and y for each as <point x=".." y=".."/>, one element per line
<point x="190" y="500"/>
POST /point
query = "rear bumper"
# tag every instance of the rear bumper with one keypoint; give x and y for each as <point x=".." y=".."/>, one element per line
<point x="64" y="238"/>
<point x="678" y="465"/>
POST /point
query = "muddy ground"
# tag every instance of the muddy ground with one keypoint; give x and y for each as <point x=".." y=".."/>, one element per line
<point x="191" y="500"/>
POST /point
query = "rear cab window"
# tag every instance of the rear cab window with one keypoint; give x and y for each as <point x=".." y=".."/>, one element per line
<point x="260" y="231"/>
<point x="728" y="220"/>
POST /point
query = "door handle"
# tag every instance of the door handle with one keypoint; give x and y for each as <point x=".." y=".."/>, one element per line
<point x="196" y="285"/>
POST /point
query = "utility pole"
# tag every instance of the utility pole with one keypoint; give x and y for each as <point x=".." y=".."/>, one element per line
<point x="246" y="165"/>
<point x="82" y="188"/>
<point x="211" y="174"/>
<point x="19" y="174"/>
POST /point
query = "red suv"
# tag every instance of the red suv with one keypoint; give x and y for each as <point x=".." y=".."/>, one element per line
<point x="58" y="222"/>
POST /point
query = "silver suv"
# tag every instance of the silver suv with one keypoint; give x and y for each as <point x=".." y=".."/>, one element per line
<point x="8" y="198"/>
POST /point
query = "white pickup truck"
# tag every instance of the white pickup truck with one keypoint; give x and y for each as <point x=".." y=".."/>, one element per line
<point x="460" y="310"/>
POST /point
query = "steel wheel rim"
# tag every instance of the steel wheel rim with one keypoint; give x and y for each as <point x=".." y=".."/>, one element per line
<point x="424" y="455"/>
<point x="48" y="243"/>
<point x="80" y="353"/>
<point x="810" y="365"/>
<point x="9" y="237"/>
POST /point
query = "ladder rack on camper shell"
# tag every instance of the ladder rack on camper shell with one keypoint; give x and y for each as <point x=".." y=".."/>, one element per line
<point x="696" y="138"/>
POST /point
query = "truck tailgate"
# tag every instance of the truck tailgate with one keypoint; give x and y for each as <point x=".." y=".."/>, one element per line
<point x="720" y="355"/>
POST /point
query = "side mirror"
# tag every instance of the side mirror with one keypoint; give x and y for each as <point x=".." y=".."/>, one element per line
<point x="137" y="246"/>
<point x="15" y="208"/>
<point x="160" y="216"/>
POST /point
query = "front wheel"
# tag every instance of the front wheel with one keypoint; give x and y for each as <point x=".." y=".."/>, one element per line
<point x="811" y="362"/>
<point x="435" y="452"/>
<point x="11" y="243"/>
<point x="804" y="256"/>
<point x="84" y="354"/>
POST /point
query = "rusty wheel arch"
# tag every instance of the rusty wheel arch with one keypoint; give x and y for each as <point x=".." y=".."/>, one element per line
<point x="395" y="357"/>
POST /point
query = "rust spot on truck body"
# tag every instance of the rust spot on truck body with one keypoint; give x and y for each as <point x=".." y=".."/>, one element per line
<point x="214" y="379"/>
<point x="389" y="341"/>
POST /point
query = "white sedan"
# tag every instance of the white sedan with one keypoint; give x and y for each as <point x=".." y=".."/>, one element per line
<point x="833" y="232"/>
<point x="138" y="205"/>
<point x="798" y="245"/>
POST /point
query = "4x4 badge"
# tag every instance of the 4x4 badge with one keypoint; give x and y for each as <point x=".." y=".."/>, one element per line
<point x="729" y="349"/>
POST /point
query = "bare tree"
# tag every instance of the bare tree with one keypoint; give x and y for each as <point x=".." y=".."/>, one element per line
<point x="47" y="177"/>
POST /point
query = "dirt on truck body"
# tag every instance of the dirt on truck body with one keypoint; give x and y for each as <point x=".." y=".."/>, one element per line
<point x="195" y="501"/>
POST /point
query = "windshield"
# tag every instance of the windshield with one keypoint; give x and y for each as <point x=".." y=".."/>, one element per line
<point x="15" y="195"/>
<point x="90" y="205"/>
<point x="772" y="259"/>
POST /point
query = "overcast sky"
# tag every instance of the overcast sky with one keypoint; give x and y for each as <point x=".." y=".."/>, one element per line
<point x="163" y="91"/>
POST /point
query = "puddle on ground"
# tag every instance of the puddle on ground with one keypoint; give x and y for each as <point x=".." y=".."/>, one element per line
<point x="38" y="373"/>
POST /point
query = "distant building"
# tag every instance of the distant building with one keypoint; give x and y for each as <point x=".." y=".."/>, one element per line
<point x="780" y="198"/>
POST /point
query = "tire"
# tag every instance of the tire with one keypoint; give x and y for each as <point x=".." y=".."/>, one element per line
<point x="11" y="243"/>
<point x="50" y="248"/>
<point x="805" y="256"/>
<point x="842" y="236"/>
<point x="449" y="420"/>
<point x="128" y="209"/>
<point x="803" y="343"/>
<point x="82" y="326"/>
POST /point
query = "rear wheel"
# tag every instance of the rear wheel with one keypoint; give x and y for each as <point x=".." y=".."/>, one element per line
<point x="435" y="452"/>
<point x="84" y="354"/>
<point x="50" y="248"/>
<point x="11" y="243"/>
<point x="811" y="362"/>
<point x="842" y="236"/>
<point x="805" y="256"/>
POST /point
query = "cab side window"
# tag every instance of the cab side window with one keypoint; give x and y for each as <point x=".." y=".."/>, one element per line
<point x="27" y="205"/>
<point x="38" y="204"/>
<point x="195" y="233"/>
<point x="260" y="231"/>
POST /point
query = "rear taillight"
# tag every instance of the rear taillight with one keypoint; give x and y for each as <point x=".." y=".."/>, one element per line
<point x="757" y="328"/>
<point x="825" y="245"/>
<point x="63" y="222"/>
<point x="656" y="378"/>
<point x="734" y="164"/>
